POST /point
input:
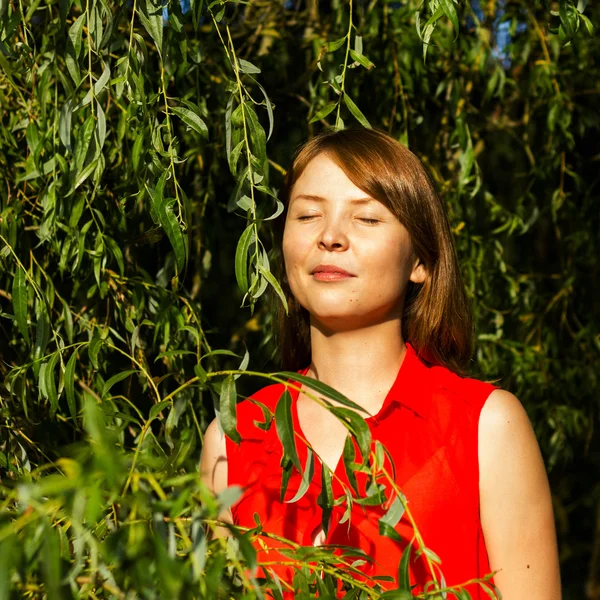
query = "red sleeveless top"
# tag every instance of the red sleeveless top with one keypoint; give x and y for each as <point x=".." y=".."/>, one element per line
<point x="429" y="423"/>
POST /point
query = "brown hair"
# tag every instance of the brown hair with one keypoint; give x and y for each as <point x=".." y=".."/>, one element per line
<point x="437" y="318"/>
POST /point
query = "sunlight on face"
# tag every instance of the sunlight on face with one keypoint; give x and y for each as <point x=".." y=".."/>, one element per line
<point x="347" y="257"/>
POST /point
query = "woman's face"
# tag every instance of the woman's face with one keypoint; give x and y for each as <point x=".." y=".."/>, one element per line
<point x="348" y="259"/>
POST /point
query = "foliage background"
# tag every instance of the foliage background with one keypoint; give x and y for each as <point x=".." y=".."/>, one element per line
<point x="136" y="177"/>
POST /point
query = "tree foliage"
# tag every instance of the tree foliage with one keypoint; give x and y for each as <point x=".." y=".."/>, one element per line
<point x="142" y="145"/>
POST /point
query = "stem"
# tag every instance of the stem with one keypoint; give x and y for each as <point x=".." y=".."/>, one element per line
<point x="343" y="84"/>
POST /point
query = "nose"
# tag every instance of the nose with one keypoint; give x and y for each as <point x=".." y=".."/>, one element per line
<point x="333" y="236"/>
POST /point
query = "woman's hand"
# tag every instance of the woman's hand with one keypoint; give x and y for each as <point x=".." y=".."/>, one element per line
<point x="515" y="503"/>
<point x="213" y="469"/>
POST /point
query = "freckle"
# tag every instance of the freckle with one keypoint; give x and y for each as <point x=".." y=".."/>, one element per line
<point x="528" y="566"/>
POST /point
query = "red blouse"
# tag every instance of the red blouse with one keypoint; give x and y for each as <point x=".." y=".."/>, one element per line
<point x="429" y="424"/>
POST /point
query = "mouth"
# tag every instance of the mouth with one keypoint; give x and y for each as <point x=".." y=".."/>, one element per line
<point x="330" y="273"/>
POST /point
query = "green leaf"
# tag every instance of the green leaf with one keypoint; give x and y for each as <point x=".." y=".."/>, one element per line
<point x="275" y="285"/>
<point x="192" y="120"/>
<point x="116" y="252"/>
<point x="64" y="127"/>
<point x="257" y="134"/>
<point x="101" y="126"/>
<point x="94" y="348"/>
<point x="75" y="33"/>
<point x="568" y="17"/>
<point x="67" y="320"/>
<point x="403" y="569"/>
<point x="450" y="12"/>
<point x="51" y="562"/>
<point x="397" y="595"/>
<point x="115" y="379"/>
<point x="325" y="499"/>
<point x="388" y="531"/>
<point x="588" y="24"/>
<point x="356" y="112"/>
<point x="357" y="426"/>
<point x="157" y="408"/>
<point x="321" y="388"/>
<point x="321" y="114"/>
<point x="70" y="385"/>
<point x="170" y="353"/>
<point x="394" y="513"/>
<point x="269" y="107"/>
<point x="307" y="476"/>
<point x="42" y="334"/>
<point x="162" y="210"/>
<point x="333" y="46"/>
<point x="267" y="415"/>
<point x="150" y="15"/>
<point x="247" y="67"/>
<point x="361" y="59"/>
<point x="241" y="258"/>
<point x="51" y="383"/>
<point x="227" y="409"/>
<point x="349" y="457"/>
<point x="19" y="300"/>
<point x="285" y="428"/>
<point x="234" y="157"/>
<point x="98" y="87"/>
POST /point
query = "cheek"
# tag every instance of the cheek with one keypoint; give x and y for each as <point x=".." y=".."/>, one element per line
<point x="389" y="265"/>
<point x="295" y="249"/>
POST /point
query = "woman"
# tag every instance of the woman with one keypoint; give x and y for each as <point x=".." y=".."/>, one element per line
<point x="378" y="311"/>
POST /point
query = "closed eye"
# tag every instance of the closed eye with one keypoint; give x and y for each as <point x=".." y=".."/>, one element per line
<point x="306" y="217"/>
<point x="370" y="221"/>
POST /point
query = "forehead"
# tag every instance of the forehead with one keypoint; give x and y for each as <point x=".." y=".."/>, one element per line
<point x="323" y="177"/>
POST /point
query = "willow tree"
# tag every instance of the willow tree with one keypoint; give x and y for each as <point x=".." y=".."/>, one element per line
<point x="142" y="146"/>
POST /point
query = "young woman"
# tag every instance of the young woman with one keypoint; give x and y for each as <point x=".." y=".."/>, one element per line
<point x="378" y="311"/>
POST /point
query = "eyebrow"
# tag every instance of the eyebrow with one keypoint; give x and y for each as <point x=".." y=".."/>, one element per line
<point x="315" y="198"/>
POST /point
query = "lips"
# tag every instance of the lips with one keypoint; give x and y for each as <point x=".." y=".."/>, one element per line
<point x="331" y="270"/>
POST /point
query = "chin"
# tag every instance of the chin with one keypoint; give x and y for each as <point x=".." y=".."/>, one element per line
<point x="335" y="319"/>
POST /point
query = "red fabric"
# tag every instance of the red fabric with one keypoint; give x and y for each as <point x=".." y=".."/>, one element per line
<point x="429" y="424"/>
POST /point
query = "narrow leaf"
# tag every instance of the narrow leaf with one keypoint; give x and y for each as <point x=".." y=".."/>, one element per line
<point x="322" y="388"/>
<point x="70" y="385"/>
<point x="285" y="427"/>
<point x="227" y="409"/>
<point x="356" y="112"/>
<point x="51" y="383"/>
<point x="450" y="12"/>
<point x="361" y="59"/>
<point x="115" y="379"/>
<point x="275" y="285"/>
<point x="403" y="569"/>
<point x="247" y="67"/>
<point x="333" y="46"/>
<point x="321" y="114"/>
<point x="192" y="120"/>
<point x="157" y="408"/>
<point x="325" y="499"/>
<point x="19" y="300"/>
<point x="394" y="513"/>
<point x="241" y="258"/>
<point x="307" y="476"/>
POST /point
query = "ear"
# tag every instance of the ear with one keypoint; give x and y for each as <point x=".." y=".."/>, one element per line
<point x="418" y="273"/>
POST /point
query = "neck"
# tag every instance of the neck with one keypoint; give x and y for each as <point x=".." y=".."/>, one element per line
<point x="362" y="364"/>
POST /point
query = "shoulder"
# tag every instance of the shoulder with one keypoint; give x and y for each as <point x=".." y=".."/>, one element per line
<point x="472" y="394"/>
<point x="508" y="447"/>
<point x="504" y="426"/>
<point x="213" y="460"/>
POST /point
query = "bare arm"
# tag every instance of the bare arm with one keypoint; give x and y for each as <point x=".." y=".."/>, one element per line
<point x="213" y="468"/>
<point x="516" y="506"/>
